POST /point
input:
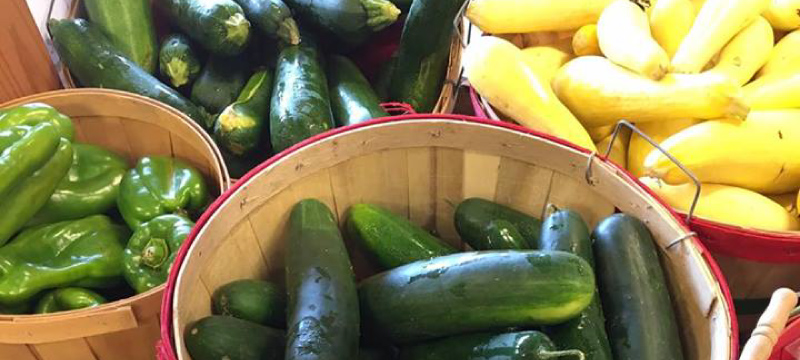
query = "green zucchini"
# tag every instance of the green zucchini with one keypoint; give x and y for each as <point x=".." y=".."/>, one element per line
<point x="240" y="126"/>
<point x="403" y="5"/>
<point x="129" y="26"/>
<point x="565" y="230"/>
<point x="352" y="98"/>
<point x="238" y="166"/>
<point x="351" y="22"/>
<point x="384" y="78"/>
<point x="220" y="83"/>
<point x="300" y="106"/>
<point x="375" y="354"/>
<point x="323" y="303"/>
<point x="639" y="317"/>
<point x="476" y="291"/>
<point x="178" y="62"/>
<point x="257" y="301"/>
<point x="217" y="25"/>
<point x="424" y="53"/>
<point x="96" y="63"/>
<point x="392" y="240"/>
<point x="486" y="225"/>
<point x="524" y="345"/>
<point x="224" y="337"/>
<point x="273" y="18"/>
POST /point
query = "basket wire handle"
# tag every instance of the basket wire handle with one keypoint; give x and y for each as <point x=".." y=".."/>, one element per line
<point x="770" y="325"/>
<point x="457" y="25"/>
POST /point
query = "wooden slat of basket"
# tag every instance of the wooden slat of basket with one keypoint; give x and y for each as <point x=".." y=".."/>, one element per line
<point x="96" y="130"/>
<point x="748" y="279"/>
<point x="108" y="346"/>
<point x="449" y="190"/>
<point x="237" y="263"/>
<point x="512" y="186"/>
<point x="182" y="149"/>
<point x="77" y="349"/>
<point x="421" y="190"/>
<point x="480" y="175"/>
<point x="147" y="139"/>
<point x="568" y="193"/>
<point x="17" y="352"/>
<point x="48" y="328"/>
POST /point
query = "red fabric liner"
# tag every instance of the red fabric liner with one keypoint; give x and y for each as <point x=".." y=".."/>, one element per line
<point x="165" y="349"/>
<point x="788" y="345"/>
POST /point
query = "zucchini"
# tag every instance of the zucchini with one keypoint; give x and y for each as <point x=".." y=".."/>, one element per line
<point x="220" y="83"/>
<point x="217" y="25"/>
<point x="424" y="53"/>
<point x="273" y="18"/>
<point x="300" y="106"/>
<point x="178" y="62"/>
<point x="486" y="225"/>
<point x="352" y="98"/>
<point x="323" y="304"/>
<point x="96" y="63"/>
<point x="636" y="301"/>
<point x="392" y="240"/>
<point x="238" y="166"/>
<point x="350" y="22"/>
<point x="384" y="78"/>
<point x="375" y="354"/>
<point x="476" y="291"/>
<point x="224" y="337"/>
<point x="240" y="126"/>
<point x="565" y="230"/>
<point x="129" y="26"/>
<point x="256" y="301"/>
<point x="524" y="345"/>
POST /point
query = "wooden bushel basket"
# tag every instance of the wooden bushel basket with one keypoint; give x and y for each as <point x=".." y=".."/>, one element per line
<point x="132" y="126"/>
<point x="421" y="166"/>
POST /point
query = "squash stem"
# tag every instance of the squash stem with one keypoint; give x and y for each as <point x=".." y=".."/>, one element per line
<point x="238" y="29"/>
<point x="288" y="31"/>
<point x="557" y="354"/>
<point x="380" y="13"/>
<point x="178" y="72"/>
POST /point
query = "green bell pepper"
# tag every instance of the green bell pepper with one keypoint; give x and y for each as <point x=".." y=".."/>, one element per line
<point x="35" y="114"/>
<point x="89" y="188"/>
<point x="70" y="298"/>
<point x="152" y="249"/>
<point x="160" y="185"/>
<point x="84" y="253"/>
<point x="32" y="162"/>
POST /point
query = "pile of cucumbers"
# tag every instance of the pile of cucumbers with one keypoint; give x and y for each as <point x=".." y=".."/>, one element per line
<point x="526" y="289"/>
<point x="261" y="75"/>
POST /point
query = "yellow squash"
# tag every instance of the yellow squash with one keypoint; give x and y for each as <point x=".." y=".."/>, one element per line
<point x="784" y="14"/>
<point x="788" y="201"/>
<point x="656" y="130"/>
<point x="776" y="91"/>
<point x="624" y="37"/>
<point x="599" y="133"/>
<point x="522" y="16"/>
<point x="746" y="53"/>
<point x="545" y="60"/>
<point x="785" y="57"/>
<point x="619" y="150"/>
<point x="585" y="41"/>
<point x="496" y="69"/>
<point x="670" y="21"/>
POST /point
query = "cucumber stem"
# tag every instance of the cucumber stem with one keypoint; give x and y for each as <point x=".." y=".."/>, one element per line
<point x="380" y="13"/>
<point x="238" y="29"/>
<point x="562" y="353"/>
<point x="288" y="31"/>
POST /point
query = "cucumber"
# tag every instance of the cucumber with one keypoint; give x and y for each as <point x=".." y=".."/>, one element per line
<point x="639" y="317"/>
<point x="384" y="78"/>
<point x="565" y="230"/>
<point x="96" y="63"/>
<point x="392" y="240"/>
<point x="403" y="5"/>
<point x="257" y="301"/>
<point x="524" y="345"/>
<point x="217" y="25"/>
<point x="238" y="166"/>
<point x="375" y="354"/>
<point x="273" y="18"/>
<point x="224" y="337"/>
<point x="323" y="304"/>
<point x="129" y="26"/>
<point x="220" y="83"/>
<point x="351" y="22"/>
<point x="240" y="126"/>
<point x="480" y="223"/>
<point x="352" y="98"/>
<point x="424" y="53"/>
<point x="300" y="106"/>
<point x="178" y="62"/>
<point x="476" y="291"/>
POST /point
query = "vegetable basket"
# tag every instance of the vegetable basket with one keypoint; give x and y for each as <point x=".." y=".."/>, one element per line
<point x="132" y="126"/>
<point x="420" y="166"/>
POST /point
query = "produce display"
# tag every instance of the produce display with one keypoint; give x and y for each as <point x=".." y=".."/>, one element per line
<point x="713" y="82"/>
<point x="535" y="290"/>
<point x="64" y="241"/>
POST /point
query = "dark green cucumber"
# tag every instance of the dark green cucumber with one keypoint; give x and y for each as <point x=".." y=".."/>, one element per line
<point x="565" y="230"/>
<point x="524" y="345"/>
<point x="97" y="63"/>
<point x="481" y="224"/>
<point x="323" y="303"/>
<point x="384" y="78"/>
<point x="375" y="354"/>
<point x="350" y="22"/>
<point x="392" y="240"/>
<point x="220" y="83"/>
<point x="238" y="166"/>
<point x="240" y="126"/>
<point x="224" y="337"/>
<point x="177" y="61"/>
<point x="273" y="18"/>
<point x="257" y="301"/>
<point x="129" y="26"/>
<point x="301" y="106"/>
<point x="424" y="53"/>
<point x="476" y="291"/>
<point x="403" y="5"/>
<point x="352" y="98"/>
<point x="639" y="317"/>
<point x="217" y="25"/>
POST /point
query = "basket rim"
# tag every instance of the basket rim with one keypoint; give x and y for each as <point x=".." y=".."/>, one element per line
<point x="165" y="346"/>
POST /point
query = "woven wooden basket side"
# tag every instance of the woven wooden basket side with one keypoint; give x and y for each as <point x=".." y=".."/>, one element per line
<point x="422" y="169"/>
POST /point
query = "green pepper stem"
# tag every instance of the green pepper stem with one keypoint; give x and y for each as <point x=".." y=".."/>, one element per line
<point x="238" y="28"/>
<point x="288" y="31"/>
<point x="380" y="13"/>
<point x="557" y="354"/>
<point x="155" y="253"/>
